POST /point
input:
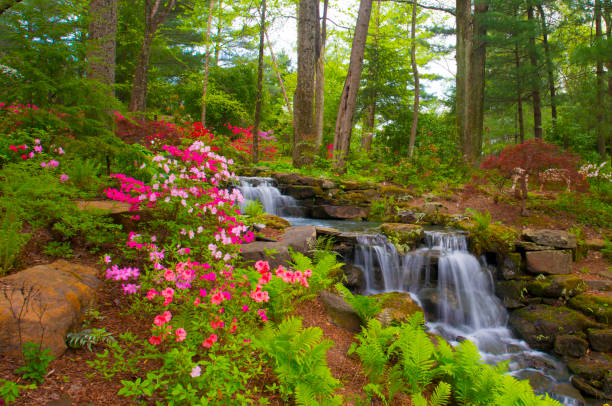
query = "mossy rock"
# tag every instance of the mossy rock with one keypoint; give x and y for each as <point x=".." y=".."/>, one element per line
<point x="495" y="238"/>
<point x="438" y="219"/>
<point x="555" y="286"/>
<point x="511" y="292"/>
<point x="272" y="221"/>
<point x="397" y="307"/>
<point x="358" y="197"/>
<point x="599" y="307"/>
<point x="393" y="190"/>
<point x="403" y="234"/>
<point x="593" y="367"/>
<point x="539" y="324"/>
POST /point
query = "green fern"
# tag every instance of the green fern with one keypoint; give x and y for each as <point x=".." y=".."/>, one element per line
<point x="89" y="337"/>
<point x="366" y="307"/>
<point x="441" y="394"/>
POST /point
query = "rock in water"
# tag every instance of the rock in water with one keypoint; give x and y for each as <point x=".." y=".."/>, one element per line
<point x="49" y="300"/>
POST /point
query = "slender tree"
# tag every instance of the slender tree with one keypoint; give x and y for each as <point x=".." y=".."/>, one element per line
<point x="320" y="79"/>
<point x="262" y="30"/>
<point x="549" y="69"/>
<point x="304" y="136"/>
<point x="102" y="41"/>
<point x="156" y="12"/>
<point x="417" y="90"/>
<point x="348" y="99"/>
<point x="207" y="60"/>
<point x="600" y="110"/>
<point x="535" y="78"/>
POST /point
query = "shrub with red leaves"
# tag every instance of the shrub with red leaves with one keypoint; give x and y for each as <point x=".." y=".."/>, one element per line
<point x="544" y="162"/>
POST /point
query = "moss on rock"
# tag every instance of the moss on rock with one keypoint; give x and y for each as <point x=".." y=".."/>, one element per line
<point x="599" y="307"/>
<point x="555" y="286"/>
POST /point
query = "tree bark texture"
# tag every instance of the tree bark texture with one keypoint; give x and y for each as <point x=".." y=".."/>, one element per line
<point x="549" y="69"/>
<point x="348" y="99"/>
<point x="262" y="30"/>
<point x="320" y="80"/>
<point x="519" y="95"/>
<point x="535" y="79"/>
<point x="304" y="136"/>
<point x="206" y="61"/>
<point x="156" y="12"/>
<point x="471" y="58"/>
<point x="6" y="4"/>
<point x="417" y="89"/>
<point x="370" y="120"/>
<point x="102" y="41"/>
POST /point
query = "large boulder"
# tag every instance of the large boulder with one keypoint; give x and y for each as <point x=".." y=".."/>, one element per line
<point x="540" y="324"/>
<point x="598" y="306"/>
<point x="600" y="339"/>
<point x="340" y="212"/>
<point x="340" y="311"/>
<point x="403" y="234"/>
<point x="397" y="307"/>
<point x="295" y="179"/>
<point x="302" y="192"/>
<point x="551" y="238"/>
<point x="299" y="238"/>
<point x="572" y="345"/>
<point x="555" y="286"/>
<point x="45" y="302"/>
<point x="549" y="262"/>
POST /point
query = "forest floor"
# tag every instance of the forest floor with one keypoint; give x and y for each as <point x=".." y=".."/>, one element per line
<point x="70" y="381"/>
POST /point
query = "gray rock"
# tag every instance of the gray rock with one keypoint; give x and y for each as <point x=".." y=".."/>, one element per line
<point x="551" y="238"/>
<point x="340" y="212"/>
<point x="599" y="284"/>
<point x="600" y="339"/>
<point x="340" y="311"/>
<point x="583" y="386"/>
<point x="530" y="246"/>
<point x="355" y="278"/>
<point x="572" y="345"/>
<point x="549" y="262"/>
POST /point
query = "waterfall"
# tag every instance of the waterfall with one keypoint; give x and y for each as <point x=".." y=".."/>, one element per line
<point x="457" y="295"/>
<point x="265" y="192"/>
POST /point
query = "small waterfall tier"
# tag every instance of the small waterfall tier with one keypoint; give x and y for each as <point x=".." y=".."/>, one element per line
<point x="457" y="294"/>
<point x="264" y="191"/>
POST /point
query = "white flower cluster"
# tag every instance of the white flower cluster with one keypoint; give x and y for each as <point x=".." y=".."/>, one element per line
<point x="595" y="171"/>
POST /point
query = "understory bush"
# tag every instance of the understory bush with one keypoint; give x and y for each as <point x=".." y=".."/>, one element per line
<point x="404" y="359"/>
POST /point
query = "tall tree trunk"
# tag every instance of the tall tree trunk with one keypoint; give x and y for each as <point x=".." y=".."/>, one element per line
<point x="156" y="12"/>
<point x="535" y="78"/>
<point x="463" y="52"/>
<point x="519" y="94"/>
<point x="600" y="104"/>
<point x="607" y="14"/>
<point x="102" y="41"/>
<point x="278" y="76"/>
<point x="320" y="80"/>
<point x="262" y="30"/>
<point x="549" y="70"/>
<point x="477" y="78"/>
<point x="206" y="61"/>
<point x="348" y="99"/>
<point x="304" y="136"/>
<point x="370" y="121"/>
<point x="6" y="4"/>
<point x="417" y="89"/>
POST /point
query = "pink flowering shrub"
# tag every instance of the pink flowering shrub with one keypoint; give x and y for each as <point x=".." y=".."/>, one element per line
<point x="202" y="301"/>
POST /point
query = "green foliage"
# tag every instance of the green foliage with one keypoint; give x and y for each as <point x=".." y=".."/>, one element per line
<point x="253" y="209"/>
<point x="84" y="173"/>
<point x="9" y="390"/>
<point x="36" y="362"/>
<point x="366" y="307"/>
<point x="587" y="209"/>
<point x="489" y="236"/>
<point x="299" y="360"/>
<point x="12" y="240"/>
<point x="405" y="359"/>
<point x="89" y="337"/>
<point x="607" y="249"/>
<point x="60" y="249"/>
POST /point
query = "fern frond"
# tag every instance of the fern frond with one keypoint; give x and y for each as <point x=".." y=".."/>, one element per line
<point x="441" y="394"/>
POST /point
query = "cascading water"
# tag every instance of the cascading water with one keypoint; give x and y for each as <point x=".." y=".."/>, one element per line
<point x="458" y="294"/>
<point x="265" y="192"/>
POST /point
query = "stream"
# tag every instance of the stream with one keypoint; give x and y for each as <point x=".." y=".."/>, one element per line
<point x="455" y="289"/>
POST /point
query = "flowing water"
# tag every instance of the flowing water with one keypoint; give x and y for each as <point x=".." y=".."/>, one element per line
<point x="264" y="191"/>
<point x="455" y="290"/>
<point x="457" y="293"/>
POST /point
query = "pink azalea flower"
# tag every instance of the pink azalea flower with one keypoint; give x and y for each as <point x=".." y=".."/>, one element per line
<point x="181" y="334"/>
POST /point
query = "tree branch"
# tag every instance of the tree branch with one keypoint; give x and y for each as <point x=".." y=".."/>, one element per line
<point x="6" y="4"/>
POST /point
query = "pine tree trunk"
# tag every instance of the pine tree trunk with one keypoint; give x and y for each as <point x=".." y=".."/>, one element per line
<point x="549" y="70"/>
<point x="477" y="79"/>
<point x="348" y="99"/>
<point x="463" y="52"/>
<point x="600" y="103"/>
<point x="417" y="90"/>
<point x="206" y="62"/>
<point x="320" y="81"/>
<point x="262" y="30"/>
<point x="304" y="136"/>
<point x="102" y="41"/>
<point x="535" y="92"/>
<point x="155" y="14"/>
<point x="519" y="95"/>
